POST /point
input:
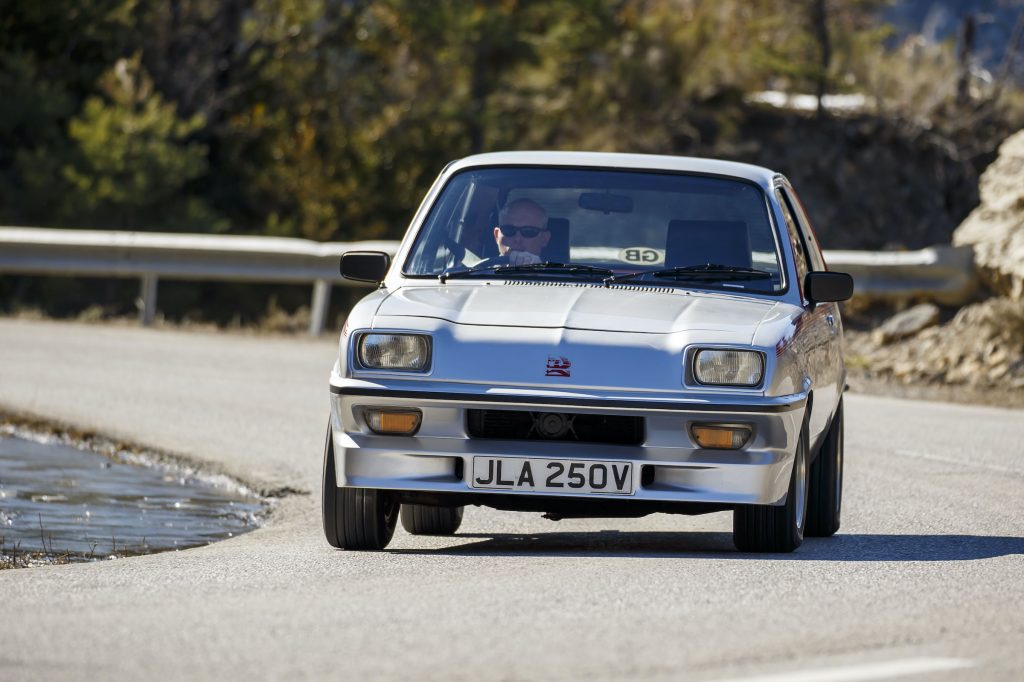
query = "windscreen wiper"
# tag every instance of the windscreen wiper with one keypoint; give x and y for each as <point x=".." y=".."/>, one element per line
<point x="550" y="266"/>
<point x="546" y="266"/>
<point x="449" y="274"/>
<point x="709" y="272"/>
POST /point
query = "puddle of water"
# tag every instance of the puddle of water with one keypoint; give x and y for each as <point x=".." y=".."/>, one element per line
<point x="89" y="504"/>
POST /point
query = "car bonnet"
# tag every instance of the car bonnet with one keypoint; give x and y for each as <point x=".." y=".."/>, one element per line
<point x="643" y="309"/>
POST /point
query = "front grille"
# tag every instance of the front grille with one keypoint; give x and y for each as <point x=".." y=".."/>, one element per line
<point x="582" y="428"/>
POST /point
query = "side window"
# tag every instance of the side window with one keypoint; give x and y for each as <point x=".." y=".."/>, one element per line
<point x="799" y="252"/>
<point x="817" y="261"/>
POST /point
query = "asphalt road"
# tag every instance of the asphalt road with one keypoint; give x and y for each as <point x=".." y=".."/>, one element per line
<point x="924" y="581"/>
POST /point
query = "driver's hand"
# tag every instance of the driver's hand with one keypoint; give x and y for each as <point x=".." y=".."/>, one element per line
<point x="522" y="258"/>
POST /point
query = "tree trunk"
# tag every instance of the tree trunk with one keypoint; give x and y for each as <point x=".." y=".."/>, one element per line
<point x="479" y="90"/>
<point x="963" y="82"/>
<point x="819" y="20"/>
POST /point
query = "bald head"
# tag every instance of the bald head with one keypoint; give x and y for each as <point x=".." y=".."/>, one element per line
<point x="523" y="208"/>
<point x="518" y="214"/>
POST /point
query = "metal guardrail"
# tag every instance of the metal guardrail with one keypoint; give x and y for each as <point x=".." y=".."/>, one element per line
<point x="943" y="274"/>
<point x="151" y="256"/>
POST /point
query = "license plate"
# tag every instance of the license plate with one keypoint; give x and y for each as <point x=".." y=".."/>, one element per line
<point x="553" y="475"/>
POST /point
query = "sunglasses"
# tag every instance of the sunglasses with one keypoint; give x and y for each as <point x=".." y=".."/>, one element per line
<point x="528" y="231"/>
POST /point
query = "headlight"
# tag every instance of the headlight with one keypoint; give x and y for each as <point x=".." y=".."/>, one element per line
<point x="409" y="352"/>
<point x="728" y="367"/>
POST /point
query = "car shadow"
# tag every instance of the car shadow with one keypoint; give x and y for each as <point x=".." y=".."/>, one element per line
<point x="705" y="545"/>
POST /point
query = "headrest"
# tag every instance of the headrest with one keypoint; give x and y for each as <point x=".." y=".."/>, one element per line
<point x="557" y="250"/>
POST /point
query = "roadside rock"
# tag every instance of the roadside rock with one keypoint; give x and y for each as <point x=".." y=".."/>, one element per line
<point x="982" y="347"/>
<point x="907" y="324"/>
<point x="996" y="227"/>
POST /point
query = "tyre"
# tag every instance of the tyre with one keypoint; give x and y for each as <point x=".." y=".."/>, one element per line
<point x="825" y="490"/>
<point x="355" y="518"/>
<point x="419" y="519"/>
<point x="770" y="528"/>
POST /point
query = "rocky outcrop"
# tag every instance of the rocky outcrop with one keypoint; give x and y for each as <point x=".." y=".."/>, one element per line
<point x="996" y="227"/>
<point x="982" y="346"/>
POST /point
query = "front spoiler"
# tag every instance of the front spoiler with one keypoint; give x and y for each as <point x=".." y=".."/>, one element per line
<point x="669" y="467"/>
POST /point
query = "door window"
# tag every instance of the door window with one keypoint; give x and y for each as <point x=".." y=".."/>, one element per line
<point x="799" y="250"/>
<point x="810" y="241"/>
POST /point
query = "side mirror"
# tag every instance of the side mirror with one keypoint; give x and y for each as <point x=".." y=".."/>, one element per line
<point x="365" y="266"/>
<point x="827" y="287"/>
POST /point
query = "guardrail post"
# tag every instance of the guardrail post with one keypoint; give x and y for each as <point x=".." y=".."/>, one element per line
<point x="318" y="308"/>
<point x="147" y="296"/>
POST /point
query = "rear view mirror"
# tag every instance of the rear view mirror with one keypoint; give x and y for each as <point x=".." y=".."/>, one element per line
<point x="365" y="266"/>
<point x="828" y="287"/>
<point x="606" y="202"/>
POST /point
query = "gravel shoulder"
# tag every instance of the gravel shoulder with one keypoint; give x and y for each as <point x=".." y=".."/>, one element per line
<point x="867" y="383"/>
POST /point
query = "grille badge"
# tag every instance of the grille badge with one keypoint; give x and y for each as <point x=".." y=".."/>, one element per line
<point x="552" y="424"/>
<point x="558" y="367"/>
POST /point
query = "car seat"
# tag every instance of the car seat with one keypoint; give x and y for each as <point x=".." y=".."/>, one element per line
<point x="704" y="242"/>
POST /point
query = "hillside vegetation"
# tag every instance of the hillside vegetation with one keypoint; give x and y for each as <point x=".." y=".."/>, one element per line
<point x="328" y="119"/>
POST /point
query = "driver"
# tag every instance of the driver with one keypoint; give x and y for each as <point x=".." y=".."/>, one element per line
<point x="522" y="232"/>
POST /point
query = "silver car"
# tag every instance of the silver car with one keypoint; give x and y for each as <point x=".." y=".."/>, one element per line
<point x="592" y="335"/>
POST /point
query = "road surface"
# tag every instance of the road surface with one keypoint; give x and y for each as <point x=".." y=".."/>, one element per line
<point x="925" y="579"/>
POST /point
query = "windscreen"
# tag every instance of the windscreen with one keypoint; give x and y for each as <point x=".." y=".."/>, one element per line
<point x="671" y="229"/>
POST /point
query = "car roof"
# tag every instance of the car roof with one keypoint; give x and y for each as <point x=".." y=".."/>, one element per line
<point x="608" y="160"/>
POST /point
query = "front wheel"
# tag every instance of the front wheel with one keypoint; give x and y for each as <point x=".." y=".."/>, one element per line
<point x="770" y="528"/>
<point x="825" y="495"/>
<point x="355" y="518"/>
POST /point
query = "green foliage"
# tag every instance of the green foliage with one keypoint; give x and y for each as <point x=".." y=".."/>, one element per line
<point x="133" y="148"/>
<point x="129" y="161"/>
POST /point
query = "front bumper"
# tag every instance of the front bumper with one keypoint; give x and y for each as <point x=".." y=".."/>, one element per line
<point x="668" y="465"/>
